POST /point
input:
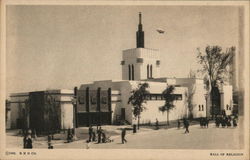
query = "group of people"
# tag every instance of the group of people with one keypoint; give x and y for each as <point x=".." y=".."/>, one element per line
<point x="225" y="121"/>
<point x="204" y="122"/>
<point x="185" y="124"/>
<point x="101" y="135"/>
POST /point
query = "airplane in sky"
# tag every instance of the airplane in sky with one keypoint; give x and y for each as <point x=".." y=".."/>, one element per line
<point x="160" y="31"/>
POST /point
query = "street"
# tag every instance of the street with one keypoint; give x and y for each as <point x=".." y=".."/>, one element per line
<point x="198" y="138"/>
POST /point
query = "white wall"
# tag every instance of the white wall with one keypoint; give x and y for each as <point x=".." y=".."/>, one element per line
<point x="195" y="87"/>
<point x="227" y="99"/>
<point x="149" y="56"/>
<point x="67" y="110"/>
<point x="152" y="112"/>
<point x="66" y="116"/>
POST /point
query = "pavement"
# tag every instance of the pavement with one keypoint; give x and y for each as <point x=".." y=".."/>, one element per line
<point x="172" y="138"/>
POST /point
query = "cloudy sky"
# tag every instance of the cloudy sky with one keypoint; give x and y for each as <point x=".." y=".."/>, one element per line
<point x="65" y="46"/>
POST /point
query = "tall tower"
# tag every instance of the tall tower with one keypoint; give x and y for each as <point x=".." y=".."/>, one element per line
<point x="140" y="35"/>
<point x="140" y="63"/>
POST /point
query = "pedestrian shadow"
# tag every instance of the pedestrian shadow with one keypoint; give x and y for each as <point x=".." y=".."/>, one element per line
<point x="120" y="143"/>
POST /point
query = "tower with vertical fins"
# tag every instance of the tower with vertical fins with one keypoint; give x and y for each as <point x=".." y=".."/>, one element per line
<point x="140" y="63"/>
<point x="140" y="34"/>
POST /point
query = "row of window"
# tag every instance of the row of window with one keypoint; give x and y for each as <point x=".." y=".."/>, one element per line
<point x="229" y="108"/>
<point x="131" y="73"/>
<point x="160" y="97"/>
<point x="201" y="108"/>
<point x="140" y="60"/>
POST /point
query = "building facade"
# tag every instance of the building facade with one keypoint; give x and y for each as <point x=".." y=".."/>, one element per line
<point x="42" y="110"/>
<point x="106" y="102"/>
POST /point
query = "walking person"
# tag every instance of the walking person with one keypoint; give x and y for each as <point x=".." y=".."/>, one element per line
<point x="93" y="135"/>
<point x="103" y="137"/>
<point x="207" y="122"/>
<point x="49" y="141"/>
<point x="186" y="125"/>
<point x="99" y="134"/>
<point x="157" y="124"/>
<point x="90" y="133"/>
<point x="25" y="141"/>
<point x="123" y="134"/>
<point x="201" y="122"/>
<point x="217" y="122"/>
<point x="69" y="135"/>
<point x="178" y="124"/>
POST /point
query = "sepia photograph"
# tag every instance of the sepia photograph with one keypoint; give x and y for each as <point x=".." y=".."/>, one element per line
<point x="118" y="77"/>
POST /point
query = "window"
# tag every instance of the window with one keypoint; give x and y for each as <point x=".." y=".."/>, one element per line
<point x="129" y="72"/>
<point x="202" y="107"/>
<point x="158" y="62"/>
<point x="122" y="62"/>
<point x="151" y="71"/>
<point x="159" y="97"/>
<point x="199" y="107"/>
<point x="133" y="78"/>
<point x="139" y="60"/>
<point x="153" y="97"/>
<point x="147" y="71"/>
<point x="227" y="107"/>
<point x="178" y="97"/>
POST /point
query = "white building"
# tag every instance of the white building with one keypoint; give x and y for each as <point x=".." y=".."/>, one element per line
<point x="106" y="102"/>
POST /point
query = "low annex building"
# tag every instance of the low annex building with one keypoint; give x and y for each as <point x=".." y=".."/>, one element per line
<point x="42" y="110"/>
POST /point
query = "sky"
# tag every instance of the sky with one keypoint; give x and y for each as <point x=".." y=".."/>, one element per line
<point x="59" y="47"/>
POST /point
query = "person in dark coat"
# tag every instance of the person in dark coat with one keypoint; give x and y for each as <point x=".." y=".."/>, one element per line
<point x="217" y="122"/>
<point x="178" y="124"/>
<point x="123" y="134"/>
<point x="99" y="134"/>
<point x="90" y="133"/>
<point x="93" y="135"/>
<point x="234" y="122"/>
<point x="25" y="141"/>
<point x="229" y="121"/>
<point x="201" y="123"/>
<point x="186" y="125"/>
<point x="29" y="142"/>
<point x="157" y="124"/>
<point x="50" y="146"/>
<point x="223" y="122"/>
<point x="207" y="122"/>
<point x="69" y="136"/>
<point x="103" y="137"/>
